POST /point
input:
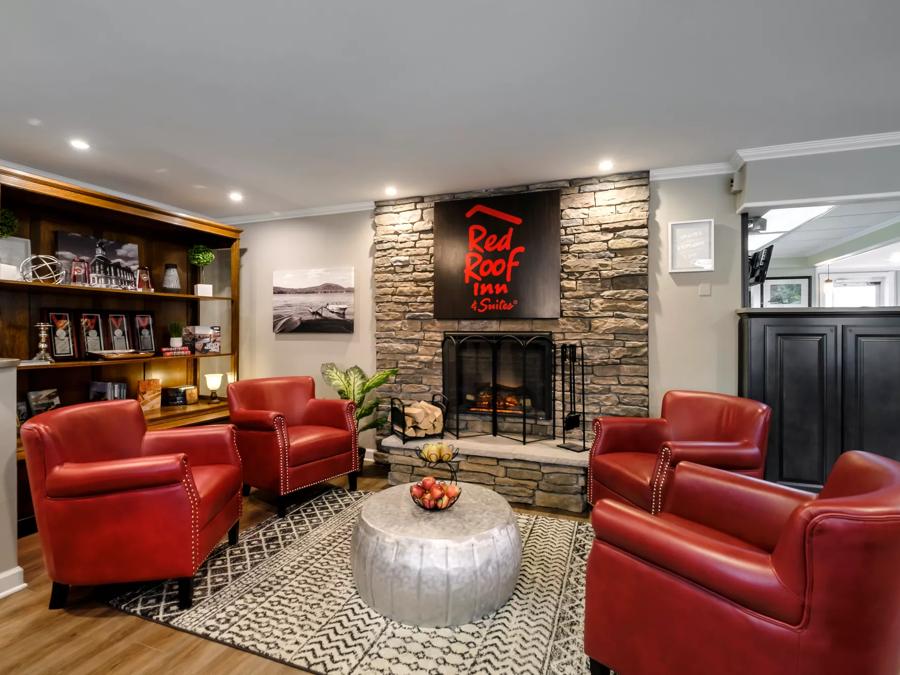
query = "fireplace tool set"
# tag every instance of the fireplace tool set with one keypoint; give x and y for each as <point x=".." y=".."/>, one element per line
<point x="571" y="359"/>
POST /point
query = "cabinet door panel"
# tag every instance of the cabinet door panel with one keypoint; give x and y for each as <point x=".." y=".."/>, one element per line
<point x="872" y="389"/>
<point x="802" y="387"/>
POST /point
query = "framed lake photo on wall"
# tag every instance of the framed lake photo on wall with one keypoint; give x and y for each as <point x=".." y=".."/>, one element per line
<point x="318" y="300"/>
<point x="692" y="246"/>
<point x="497" y="257"/>
<point x="786" y="292"/>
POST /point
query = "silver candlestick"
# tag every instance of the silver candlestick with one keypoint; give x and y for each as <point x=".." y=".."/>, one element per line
<point x="43" y="343"/>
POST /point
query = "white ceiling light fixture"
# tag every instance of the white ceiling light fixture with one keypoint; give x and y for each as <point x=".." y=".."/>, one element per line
<point x="34" y="122"/>
<point x="606" y="165"/>
<point x="236" y="196"/>
<point x="79" y="144"/>
<point x="390" y="191"/>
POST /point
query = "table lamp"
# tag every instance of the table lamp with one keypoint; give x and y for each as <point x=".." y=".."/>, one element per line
<point x="213" y="382"/>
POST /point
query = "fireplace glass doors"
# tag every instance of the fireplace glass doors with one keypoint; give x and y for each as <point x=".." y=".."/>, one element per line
<point x="499" y="383"/>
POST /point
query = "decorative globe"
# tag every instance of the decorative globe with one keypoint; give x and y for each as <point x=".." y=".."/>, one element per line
<point x="44" y="268"/>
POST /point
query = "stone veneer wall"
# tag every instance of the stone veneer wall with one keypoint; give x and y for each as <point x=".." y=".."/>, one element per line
<point x="603" y="235"/>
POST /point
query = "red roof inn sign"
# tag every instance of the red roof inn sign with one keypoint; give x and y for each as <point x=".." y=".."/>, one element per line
<point x="498" y="257"/>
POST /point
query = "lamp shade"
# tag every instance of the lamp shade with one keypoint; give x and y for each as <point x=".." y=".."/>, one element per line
<point x="213" y="381"/>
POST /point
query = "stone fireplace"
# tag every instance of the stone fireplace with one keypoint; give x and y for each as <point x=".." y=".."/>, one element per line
<point x="505" y="377"/>
<point x="604" y="306"/>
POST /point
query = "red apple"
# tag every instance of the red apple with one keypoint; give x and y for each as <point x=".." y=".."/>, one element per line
<point x="452" y="491"/>
<point x="436" y="491"/>
<point x="417" y="491"/>
<point x="426" y="502"/>
<point x="427" y="482"/>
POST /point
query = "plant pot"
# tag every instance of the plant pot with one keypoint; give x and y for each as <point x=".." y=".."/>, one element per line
<point x="205" y="290"/>
<point x="176" y="342"/>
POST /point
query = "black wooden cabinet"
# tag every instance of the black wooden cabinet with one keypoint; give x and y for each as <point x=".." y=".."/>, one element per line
<point x="832" y="379"/>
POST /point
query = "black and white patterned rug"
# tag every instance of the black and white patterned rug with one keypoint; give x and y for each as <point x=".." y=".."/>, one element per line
<point x="286" y="592"/>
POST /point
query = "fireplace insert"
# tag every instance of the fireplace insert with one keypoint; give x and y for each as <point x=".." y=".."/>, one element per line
<point x="501" y="383"/>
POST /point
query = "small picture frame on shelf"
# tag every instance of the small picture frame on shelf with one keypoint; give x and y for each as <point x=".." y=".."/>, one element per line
<point x="119" y="334"/>
<point x="42" y="400"/>
<point x="21" y="413"/>
<point x="62" y="335"/>
<point x="144" y="340"/>
<point x="92" y="336"/>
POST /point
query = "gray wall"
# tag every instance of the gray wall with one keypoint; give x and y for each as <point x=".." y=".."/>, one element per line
<point x="324" y="241"/>
<point x="693" y="339"/>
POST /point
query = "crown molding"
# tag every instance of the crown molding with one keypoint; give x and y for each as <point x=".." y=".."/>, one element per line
<point x="867" y="142"/>
<point x="691" y="171"/>
<point x="351" y="207"/>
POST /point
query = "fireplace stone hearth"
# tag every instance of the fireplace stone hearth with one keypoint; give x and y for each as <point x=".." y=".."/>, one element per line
<point x="539" y="473"/>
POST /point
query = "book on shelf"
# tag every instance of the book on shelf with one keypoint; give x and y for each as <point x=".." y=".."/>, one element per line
<point x="175" y="351"/>
<point x="107" y="391"/>
<point x="149" y="394"/>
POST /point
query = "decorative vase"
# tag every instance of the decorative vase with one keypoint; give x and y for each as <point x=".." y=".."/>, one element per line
<point x="171" y="278"/>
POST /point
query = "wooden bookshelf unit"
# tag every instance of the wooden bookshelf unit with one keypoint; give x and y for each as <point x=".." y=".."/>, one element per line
<point x="44" y="207"/>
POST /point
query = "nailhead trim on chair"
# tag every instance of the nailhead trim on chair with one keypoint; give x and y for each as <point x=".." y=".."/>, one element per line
<point x="194" y="498"/>
<point x="350" y="415"/>
<point x="281" y="434"/>
<point x="241" y="466"/>
<point x="590" y="472"/>
<point x="659" y="479"/>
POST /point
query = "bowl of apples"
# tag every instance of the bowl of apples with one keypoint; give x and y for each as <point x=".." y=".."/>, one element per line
<point x="434" y="495"/>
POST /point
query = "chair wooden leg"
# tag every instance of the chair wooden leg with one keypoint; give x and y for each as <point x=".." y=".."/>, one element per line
<point x="186" y="592"/>
<point x="351" y="480"/>
<point x="245" y="489"/>
<point x="598" y="668"/>
<point x="282" y="503"/>
<point x="59" y="593"/>
<point x="233" y="534"/>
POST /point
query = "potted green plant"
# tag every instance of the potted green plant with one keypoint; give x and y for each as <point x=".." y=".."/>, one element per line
<point x="8" y="226"/>
<point x="201" y="256"/>
<point x="176" y="330"/>
<point x="353" y="384"/>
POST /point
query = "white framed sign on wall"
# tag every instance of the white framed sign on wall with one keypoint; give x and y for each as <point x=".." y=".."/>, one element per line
<point x="692" y="246"/>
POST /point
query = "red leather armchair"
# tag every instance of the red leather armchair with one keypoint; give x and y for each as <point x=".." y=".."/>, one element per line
<point x="632" y="458"/>
<point x="738" y="576"/>
<point x="116" y="504"/>
<point x="289" y="439"/>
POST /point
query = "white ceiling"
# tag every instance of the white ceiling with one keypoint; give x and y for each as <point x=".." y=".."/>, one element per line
<point x="301" y="103"/>
<point x="884" y="258"/>
<point x="840" y="224"/>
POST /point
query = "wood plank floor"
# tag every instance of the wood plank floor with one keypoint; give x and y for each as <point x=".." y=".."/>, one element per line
<point x="89" y="637"/>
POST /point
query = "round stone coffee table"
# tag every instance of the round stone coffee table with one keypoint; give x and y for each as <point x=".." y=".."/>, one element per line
<point x="436" y="568"/>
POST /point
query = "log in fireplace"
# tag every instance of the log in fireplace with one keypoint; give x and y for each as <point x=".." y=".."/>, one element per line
<point x="508" y="377"/>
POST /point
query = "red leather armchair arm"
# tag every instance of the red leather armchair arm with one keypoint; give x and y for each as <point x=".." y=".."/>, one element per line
<point x="724" y="455"/>
<point x="212" y="444"/>
<point x="743" y="575"/>
<point x="744" y="507"/>
<point x="330" y="412"/>
<point x="83" y="479"/>
<point x="629" y="434"/>
<point x="255" y="420"/>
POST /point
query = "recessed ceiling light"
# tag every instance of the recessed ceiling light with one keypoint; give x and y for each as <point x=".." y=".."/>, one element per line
<point x="390" y="191"/>
<point x="235" y="196"/>
<point x="160" y="170"/>
<point x="34" y="122"/>
<point x="198" y="186"/>
<point x="80" y="144"/>
<point x="605" y="165"/>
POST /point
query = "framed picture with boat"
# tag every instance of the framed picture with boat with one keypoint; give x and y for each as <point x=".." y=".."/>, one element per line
<point x="316" y="300"/>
